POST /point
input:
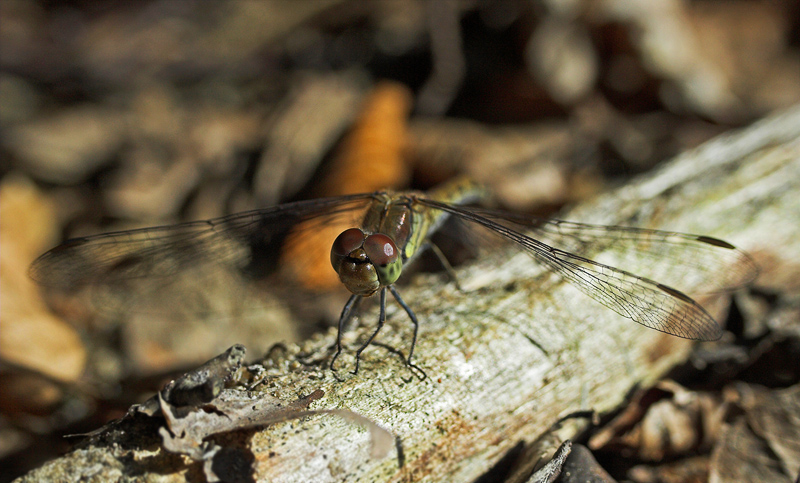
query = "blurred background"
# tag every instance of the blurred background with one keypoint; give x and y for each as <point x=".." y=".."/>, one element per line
<point x="118" y="115"/>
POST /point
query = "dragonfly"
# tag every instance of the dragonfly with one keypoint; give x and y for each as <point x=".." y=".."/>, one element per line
<point x="386" y="230"/>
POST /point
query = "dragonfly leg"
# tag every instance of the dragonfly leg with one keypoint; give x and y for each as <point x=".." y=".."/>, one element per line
<point x="445" y="263"/>
<point x="381" y="321"/>
<point x="347" y="311"/>
<point x="413" y="318"/>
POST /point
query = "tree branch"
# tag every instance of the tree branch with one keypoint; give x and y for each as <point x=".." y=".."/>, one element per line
<point x="513" y="354"/>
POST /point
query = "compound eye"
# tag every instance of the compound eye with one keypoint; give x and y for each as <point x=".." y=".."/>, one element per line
<point x="347" y="241"/>
<point x="381" y="249"/>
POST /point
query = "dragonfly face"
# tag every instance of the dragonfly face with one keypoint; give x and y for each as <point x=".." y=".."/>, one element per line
<point x="372" y="257"/>
<point x="365" y="263"/>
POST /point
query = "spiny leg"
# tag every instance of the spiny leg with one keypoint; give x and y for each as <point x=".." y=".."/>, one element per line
<point x="381" y="320"/>
<point x="413" y="318"/>
<point x="444" y="262"/>
<point x="351" y="304"/>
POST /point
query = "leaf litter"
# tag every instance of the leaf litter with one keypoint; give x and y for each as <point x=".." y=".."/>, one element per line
<point x="205" y="402"/>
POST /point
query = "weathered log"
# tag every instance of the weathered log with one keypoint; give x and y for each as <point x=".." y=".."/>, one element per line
<point x="517" y="351"/>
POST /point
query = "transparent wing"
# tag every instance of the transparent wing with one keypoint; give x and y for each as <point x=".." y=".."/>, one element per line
<point x="178" y="294"/>
<point x="245" y="244"/>
<point x="707" y="262"/>
<point x="692" y="262"/>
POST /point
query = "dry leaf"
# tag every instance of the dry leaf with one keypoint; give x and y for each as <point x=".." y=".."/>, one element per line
<point x="309" y="122"/>
<point x="373" y="154"/>
<point x="31" y="335"/>
<point x="68" y="146"/>
<point x="371" y="157"/>
<point x="582" y="466"/>
<point x="552" y="469"/>
<point x="197" y="406"/>
<point x="763" y="444"/>
<point x="663" y="421"/>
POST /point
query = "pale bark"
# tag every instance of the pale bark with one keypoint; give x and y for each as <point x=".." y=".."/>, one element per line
<point x="503" y="365"/>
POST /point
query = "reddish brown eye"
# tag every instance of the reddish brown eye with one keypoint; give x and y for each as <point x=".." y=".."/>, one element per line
<point x="347" y="241"/>
<point x="380" y="249"/>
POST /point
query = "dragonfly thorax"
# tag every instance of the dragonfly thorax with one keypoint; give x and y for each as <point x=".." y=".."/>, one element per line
<point x="365" y="263"/>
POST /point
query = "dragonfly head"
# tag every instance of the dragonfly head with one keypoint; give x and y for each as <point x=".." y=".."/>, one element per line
<point x="365" y="263"/>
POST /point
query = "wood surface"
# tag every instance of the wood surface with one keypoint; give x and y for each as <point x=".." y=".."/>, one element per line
<point x="512" y="355"/>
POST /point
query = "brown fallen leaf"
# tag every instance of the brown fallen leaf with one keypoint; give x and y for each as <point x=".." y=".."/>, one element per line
<point x="762" y="442"/>
<point x="197" y="406"/>
<point x="666" y="420"/>
<point x="582" y="466"/>
<point x="685" y="470"/>
<point x="371" y="157"/>
<point x="187" y="429"/>
<point x="32" y="336"/>
<point x="553" y="468"/>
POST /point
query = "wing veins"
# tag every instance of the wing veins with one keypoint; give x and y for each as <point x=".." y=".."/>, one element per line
<point x="637" y="298"/>
<point x="162" y="250"/>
